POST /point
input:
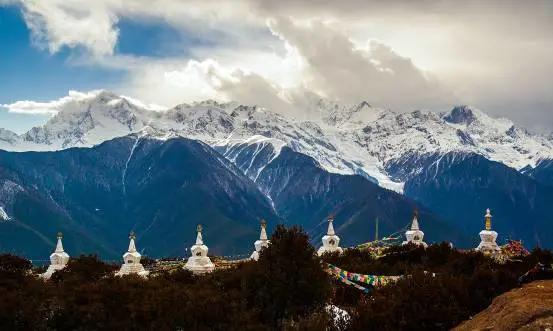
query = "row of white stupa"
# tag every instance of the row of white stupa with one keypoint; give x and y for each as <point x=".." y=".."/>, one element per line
<point x="414" y="235"/>
<point x="199" y="262"/>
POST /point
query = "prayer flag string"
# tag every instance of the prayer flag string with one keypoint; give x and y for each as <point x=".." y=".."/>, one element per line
<point x="350" y="277"/>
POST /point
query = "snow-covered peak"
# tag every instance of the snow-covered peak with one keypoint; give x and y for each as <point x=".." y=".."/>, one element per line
<point x="499" y="139"/>
<point x="325" y="106"/>
<point x="8" y="136"/>
<point x="216" y="104"/>
<point x="245" y="112"/>
<point x="471" y="117"/>
<point x="355" y="115"/>
<point x="85" y="122"/>
<point x="105" y="96"/>
<point x="460" y="115"/>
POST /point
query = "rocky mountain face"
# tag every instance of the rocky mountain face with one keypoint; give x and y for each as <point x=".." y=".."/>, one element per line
<point x="8" y="137"/>
<point x="162" y="188"/>
<point x="304" y="193"/>
<point x="457" y="186"/>
<point x="96" y="196"/>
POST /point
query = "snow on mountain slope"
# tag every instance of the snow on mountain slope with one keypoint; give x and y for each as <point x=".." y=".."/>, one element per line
<point x="353" y="116"/>
<point x="251" y="155"/>
<point x="8" y="137"/>
<point x="348" y="139"/>
<point x="3" y="215"/>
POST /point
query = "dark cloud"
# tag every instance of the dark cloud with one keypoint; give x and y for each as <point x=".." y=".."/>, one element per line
<point x="339" y="70"/>
<point x="497" y="55"/>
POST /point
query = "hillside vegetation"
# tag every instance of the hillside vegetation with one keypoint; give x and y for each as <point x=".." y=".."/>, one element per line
<point x="287" y="288"/>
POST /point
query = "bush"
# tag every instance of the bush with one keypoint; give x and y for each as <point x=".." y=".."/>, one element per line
<point x="288" y="281"/>
<point x="13" y="267"/>
<point x="84" y="269"/>
<point x="25" y="300"/>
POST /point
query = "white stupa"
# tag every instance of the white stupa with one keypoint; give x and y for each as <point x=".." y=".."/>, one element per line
<point x="58" y="259"/>
<point x="131" y="260"/>
<point x="262" y="243"/>
<point x="415" y="235"/>
<point x="199" y="262"/>
<point x="488" y="244"/>
<point x="331" y="242"/>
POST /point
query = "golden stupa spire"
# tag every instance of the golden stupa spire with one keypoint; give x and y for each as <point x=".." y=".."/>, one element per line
<point x="488" y="218"/>
<point x="199" y="228"/>
<point x="263" y="223"/>
<point x="132" y="235"/>
<point x="60" y="235"/>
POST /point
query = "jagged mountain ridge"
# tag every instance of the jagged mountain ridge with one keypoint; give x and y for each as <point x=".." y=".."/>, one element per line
<point x="346" y="139"/>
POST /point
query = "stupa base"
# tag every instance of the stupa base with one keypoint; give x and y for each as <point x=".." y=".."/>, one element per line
<point x="488" y="243"/>
<point x="324" y="250"/>
<point x="199" y="265"/>
<point x="137" y="269"/>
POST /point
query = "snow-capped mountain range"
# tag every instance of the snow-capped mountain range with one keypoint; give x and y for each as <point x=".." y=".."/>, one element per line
<point x="345" y="139"/>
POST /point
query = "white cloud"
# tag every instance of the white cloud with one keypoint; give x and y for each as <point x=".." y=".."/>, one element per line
<point x="172" y="82"/>
<point x="93" y="24"/>
<point x="48" y="107"/>
<point x="58" y="23"/>
<point x="338" y="69"/>
<point x="71" y="102"/>
<point x="175" y="83"/>
<point x="254" y="89"/>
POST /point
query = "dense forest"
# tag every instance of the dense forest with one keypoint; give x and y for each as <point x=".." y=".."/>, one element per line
<point x="287" y="288"/>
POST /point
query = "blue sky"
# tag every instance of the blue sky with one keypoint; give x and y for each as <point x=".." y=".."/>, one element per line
<point x="496" y="56"/>
<point x="29" y="73"/>
<point x="154" y="38"/>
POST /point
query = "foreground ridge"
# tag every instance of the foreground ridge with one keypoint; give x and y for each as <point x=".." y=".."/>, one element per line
<point x="526" y="308"/>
